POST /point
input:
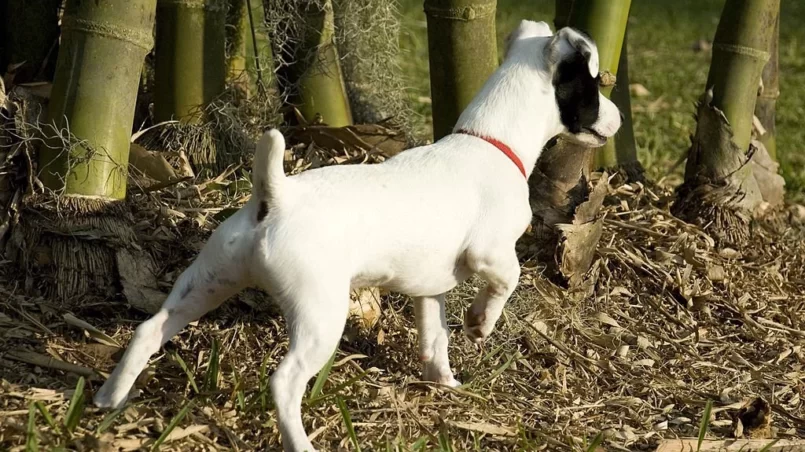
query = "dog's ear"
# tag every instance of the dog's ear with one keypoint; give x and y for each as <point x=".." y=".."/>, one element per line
<point x="573" y="62"/>
<point x="527" y="29"/>
<point x="569" y="42"/>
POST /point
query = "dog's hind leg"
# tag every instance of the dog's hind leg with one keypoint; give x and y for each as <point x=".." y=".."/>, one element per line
<point x="431" y="324"/>
<point x="213" y="277"/>
<point x="501" y="271"/>
<point x="315" y="317"/>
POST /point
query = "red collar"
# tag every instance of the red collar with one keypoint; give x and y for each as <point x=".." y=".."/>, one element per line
<point x="502" y="147"/>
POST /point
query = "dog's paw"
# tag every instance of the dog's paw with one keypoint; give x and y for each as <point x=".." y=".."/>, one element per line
<point x="476" y="327"/>
<point x="439" y="375"/>
<point x="452" y="382"/>
<point x="110" y="397"/>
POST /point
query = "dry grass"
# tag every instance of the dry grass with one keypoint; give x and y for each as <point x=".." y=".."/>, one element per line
<point x="672" y="323"/>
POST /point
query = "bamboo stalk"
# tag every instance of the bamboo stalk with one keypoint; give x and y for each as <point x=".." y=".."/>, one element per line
<point x="721" y="189"/>
<point x="237" y="21"/>
<point x="190" y="69"/>
<point x="562" y="13"/>
<point x="322" y="95"/>
<point x="252" y="62"/>
<point x="462" y="55"/>
<point x="621" y="151"/>
<point x="766" y="106"/>
<point x="605" y="22"/>
<point x="740" y="52"/>
<point x="93" y="98"/>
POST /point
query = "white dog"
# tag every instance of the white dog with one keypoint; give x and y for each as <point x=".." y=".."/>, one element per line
<point x="437" y="214"/>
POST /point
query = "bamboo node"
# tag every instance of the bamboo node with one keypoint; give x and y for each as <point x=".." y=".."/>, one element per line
<point x="743" y="50"/>
<point x="140" y="38"/>
<point x="466" y="14"/>
<point x="607" y="79"/>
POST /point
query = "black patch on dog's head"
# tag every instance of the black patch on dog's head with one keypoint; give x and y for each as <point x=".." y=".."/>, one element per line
<point x="576" y="92"/>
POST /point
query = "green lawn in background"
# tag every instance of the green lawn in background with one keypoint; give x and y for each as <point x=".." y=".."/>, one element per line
<point x="662" y="58"/>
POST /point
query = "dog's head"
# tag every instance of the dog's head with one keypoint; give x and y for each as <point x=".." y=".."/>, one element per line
<point x="570" y="59"/>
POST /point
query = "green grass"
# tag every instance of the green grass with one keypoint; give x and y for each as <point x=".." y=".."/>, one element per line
<point x="662" y="33"/>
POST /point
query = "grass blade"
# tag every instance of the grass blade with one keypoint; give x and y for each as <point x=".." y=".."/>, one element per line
<point x="348" y="422"/>
<point x="190" y="376"/>
<point x="173" y="423"/>
<point x="420" y="444"/>
<point x="315" y="401"/>
<point x="599" y="438"/>
<point x="237" y="391"/>
<point x="31" y="443"/>
<point x="211" y="379"/>
<point x="43" y="410"/>
<point x="109" y="419"/>
<point x="767" y="447"/>
<point x="265" y="384"/>
<point x="496" y="373"/>
<point x="76" y="408"/>
<point x="322" y="377"/>
<point x="444" y="440"/>
<point x="705" y="424"/>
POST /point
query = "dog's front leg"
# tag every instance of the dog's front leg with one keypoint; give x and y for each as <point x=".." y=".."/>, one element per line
<point x="501" y="272"/>
<point x="431" y="324"/>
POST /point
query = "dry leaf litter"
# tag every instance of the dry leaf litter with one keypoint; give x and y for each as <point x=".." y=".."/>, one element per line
<point x="671" y="321"/>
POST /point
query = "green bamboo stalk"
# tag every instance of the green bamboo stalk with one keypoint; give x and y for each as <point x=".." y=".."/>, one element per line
<point x="98" y="70"/>
<point x="605" y="22"/>
<point x="621" y="151"/>
<point x="766" y="106"/>
<point x="740" y="52"/>
<point x="562" y="13"/>
<point x="237" y="22"/>
<point x="322" y="95"/>
<point x="252" y="62"/>
<point x="462" y="55"/>
<point x="721" y="190"/>
<point x="190" y="69"/>
<point x="31" y="36"/>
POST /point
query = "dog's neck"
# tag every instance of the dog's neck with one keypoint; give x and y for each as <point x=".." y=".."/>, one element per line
<point x="515" y="107"/>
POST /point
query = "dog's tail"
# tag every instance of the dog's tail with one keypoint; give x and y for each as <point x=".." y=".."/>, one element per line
<point x="268" y="174"/>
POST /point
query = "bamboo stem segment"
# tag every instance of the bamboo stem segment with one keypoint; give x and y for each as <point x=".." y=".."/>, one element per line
<point x="725" y="182"/>
<point x="321" y="90"/>
<point x="462" y="54"/>
<point x="92" y="104"/>
<point x="740" y="52"/>
<point x="190" y="69"/>
<point x="252" y="62"/>
<point x="766" y="106"/>
<point x="605" y="21"/>
<point x="621" y="151"/>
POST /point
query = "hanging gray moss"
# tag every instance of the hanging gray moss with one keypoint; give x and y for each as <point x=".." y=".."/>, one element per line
<point x="367" y="38"/>
<point x="367" y="35"/>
